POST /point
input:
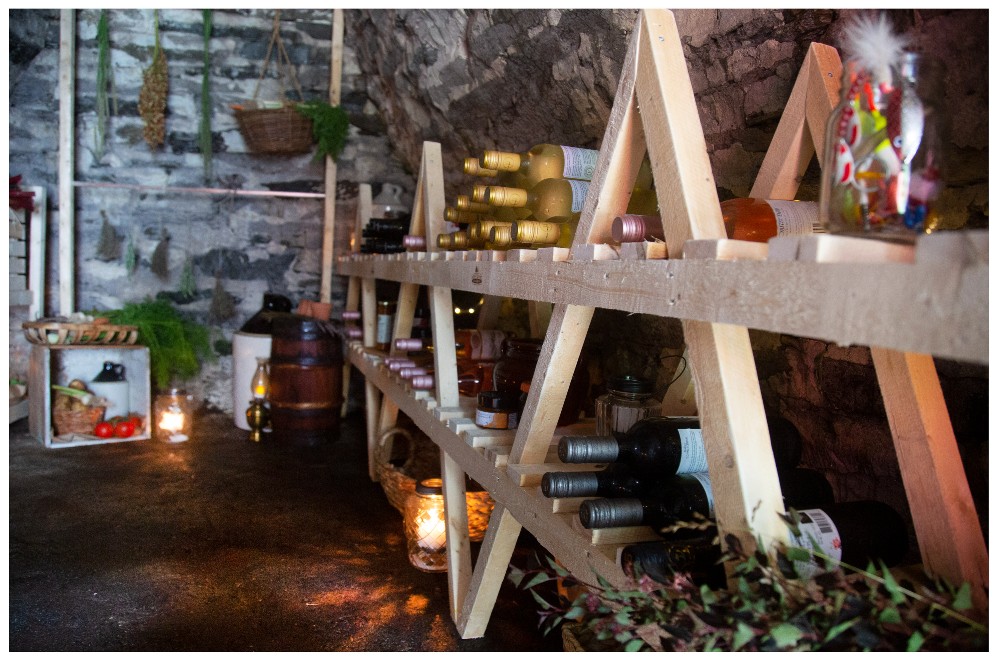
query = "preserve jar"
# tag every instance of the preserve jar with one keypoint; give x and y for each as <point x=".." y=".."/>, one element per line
<point x="628" y="399"/>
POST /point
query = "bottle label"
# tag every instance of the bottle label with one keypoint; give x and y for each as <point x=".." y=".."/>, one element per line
<point x="500" y="420"/>
<point x="702" y="478"/>
<point x="579" y="188"/>
<point x="579" y="163"/>
<point x="693" y="456"/>
<point x="486" y="343"/>
<point x="816" y="531"/>
<point x="795" y="217"/>
<point x="383" y="328"/>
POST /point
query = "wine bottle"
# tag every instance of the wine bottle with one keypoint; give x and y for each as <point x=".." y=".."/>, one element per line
<point x="471" y="166"/>
<point x="549" y="198"/>
<point x="616" y="480"/>
<point x="749" y="219"/>
<point x="853" y="533"/>
<point x="543" y="162"/>
<point x="460" y="216"/>
<point x="656" y="445"/>
<point x="457" y="240"/>
<point x="479" y="232"/>
<point x="469" y="343"/>
<point x="502" y="239"/>
<point x="696" y="554"/>
<point x="465" y="203"/>
<point x="668" y="445"/>
<point x="557" y="231"/>
<point x="800" y="487"/>
<point x="663" y="503"/>
<point x="758" y="220"/>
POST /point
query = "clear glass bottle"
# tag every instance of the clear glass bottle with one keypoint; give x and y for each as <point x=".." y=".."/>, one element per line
<point x="628" y="399"/>
<point x="384" y="313"/>
<point x="883" y="171"/>
<point x="758" y="220"/>
<point x="544" y="161"/>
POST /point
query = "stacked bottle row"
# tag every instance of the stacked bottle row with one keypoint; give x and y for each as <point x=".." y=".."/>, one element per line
<point x="535" y="199"/>
<point x="657" y="475"/>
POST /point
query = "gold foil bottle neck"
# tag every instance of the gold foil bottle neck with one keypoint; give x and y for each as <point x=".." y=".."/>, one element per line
<point x="502" y="196"/>
<point x="497" y="160"/>
<point x="536" y="232"/>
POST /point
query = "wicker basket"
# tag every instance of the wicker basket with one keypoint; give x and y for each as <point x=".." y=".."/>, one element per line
<point x="399" y="481"/>
<point x="66" y="333"/>
<point x="275" y="130"/>
<point x="77" y="421"/>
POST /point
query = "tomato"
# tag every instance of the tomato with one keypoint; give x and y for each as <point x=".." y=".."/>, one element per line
<point x="124" y="429"/>
<point x="104" y="429"/>
<point x="137" y="422"/>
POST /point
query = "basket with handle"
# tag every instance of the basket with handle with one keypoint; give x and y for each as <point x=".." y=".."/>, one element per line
<point x="398" y="481"/>
<point x="81" y="422"/>
<point x="281" y="130"/>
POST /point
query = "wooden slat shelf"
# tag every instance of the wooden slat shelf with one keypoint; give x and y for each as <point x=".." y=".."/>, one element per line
<point x="932" y="307"/>
<point x="910" y="304"/>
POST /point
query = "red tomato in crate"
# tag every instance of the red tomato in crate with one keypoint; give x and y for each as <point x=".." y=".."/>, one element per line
<point x="104" y="429"/>
<point x="137" y="422"/>
<point x="124" y="429"/>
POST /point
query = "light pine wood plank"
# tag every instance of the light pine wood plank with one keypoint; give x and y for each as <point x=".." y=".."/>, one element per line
<point x="944" y="516"/>
<point x="458" y="549"/>
<point x="491" y="569"/>
<point x="67" y="159"/>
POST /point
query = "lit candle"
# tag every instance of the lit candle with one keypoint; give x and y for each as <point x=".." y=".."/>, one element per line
<point x="173" y="423"/>
<point x="431" y="534"/>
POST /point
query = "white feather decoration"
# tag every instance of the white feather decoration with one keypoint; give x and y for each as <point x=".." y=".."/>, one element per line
<point x="870" y="42"/>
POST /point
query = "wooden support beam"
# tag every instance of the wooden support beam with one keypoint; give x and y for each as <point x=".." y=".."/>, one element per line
<point x="67" y="160"/>
<point x="330" y="178"/>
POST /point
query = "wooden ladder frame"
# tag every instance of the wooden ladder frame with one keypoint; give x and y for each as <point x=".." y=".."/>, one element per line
<point x="655" y="90"/>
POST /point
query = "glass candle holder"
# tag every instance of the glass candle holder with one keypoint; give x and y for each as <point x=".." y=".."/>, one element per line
<point x="172" y="416"/>
<point x="426" y="526"/>
<point x="883" y="165"/>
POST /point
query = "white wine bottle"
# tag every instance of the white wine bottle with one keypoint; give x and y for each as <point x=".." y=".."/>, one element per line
<point x="557" y="231"/>
<point x="542" y="162"/>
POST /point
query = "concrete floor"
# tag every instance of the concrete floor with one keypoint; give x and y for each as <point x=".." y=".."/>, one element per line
<point x="218" y="544"/>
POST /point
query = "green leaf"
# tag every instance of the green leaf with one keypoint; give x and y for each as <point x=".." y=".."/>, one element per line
<point x="963" y="598"/>
<point x="575" y="612"/>
<point x="890" y="616"/>
<point x="895" y="592"/>
<point x="542" y="602"/>
<point x="838" y="629"/>
<point x="535" y="580"/>
<point x="634" y="645"/>
<point x="785" y="635"/>
<point x="707" y="595"/>
<point x="915" y="642"/>
<point x="743" y="635"/>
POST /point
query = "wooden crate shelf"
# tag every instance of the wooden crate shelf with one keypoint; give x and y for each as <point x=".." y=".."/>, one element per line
<point x="909" y="304"/>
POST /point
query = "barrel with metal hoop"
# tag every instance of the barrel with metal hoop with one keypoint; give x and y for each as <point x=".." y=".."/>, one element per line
<point x="306" y="376"/>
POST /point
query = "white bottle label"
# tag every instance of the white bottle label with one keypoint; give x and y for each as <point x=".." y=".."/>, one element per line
<point x="693" y="457"/>
<point x="579" y="163"/>
<point x="486" y="343"/>
<point x="817" y="531"/>
<point x="579" y="188"/>
<point x="383" y="328"/>
<point x="702" y="478"/>
<point x="795" y="217"/>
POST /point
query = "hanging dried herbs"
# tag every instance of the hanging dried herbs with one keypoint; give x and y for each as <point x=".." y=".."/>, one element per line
<point x="205" y="128"/>
<point x="131" y="255"/>
<point x="188" y="286"/>
<point x="109" y="246"/>
<point x="159" y="263"/>
<point x="223" y="306"/>
<point x="153" y="94"/>
<point x="105" y="80"/>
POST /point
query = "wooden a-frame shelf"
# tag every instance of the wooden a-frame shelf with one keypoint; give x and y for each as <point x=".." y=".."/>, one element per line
<point x="909" y="304"/>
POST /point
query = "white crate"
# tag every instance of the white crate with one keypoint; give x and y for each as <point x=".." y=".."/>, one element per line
<point x="59" y="365"/>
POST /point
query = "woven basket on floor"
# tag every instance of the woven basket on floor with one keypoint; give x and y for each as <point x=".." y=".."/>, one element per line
<point x="275" y="130"/>
<point x="422" y="459"/>
<point x="77" y="421"/>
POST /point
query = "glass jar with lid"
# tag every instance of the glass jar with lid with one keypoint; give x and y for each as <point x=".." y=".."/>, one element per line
<point x="628" y="399"/>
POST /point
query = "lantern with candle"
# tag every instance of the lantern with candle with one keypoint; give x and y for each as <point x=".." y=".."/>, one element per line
<point x="258" y="417"/>
<point x="426" y="526"/>
<point x="172" y="414"/>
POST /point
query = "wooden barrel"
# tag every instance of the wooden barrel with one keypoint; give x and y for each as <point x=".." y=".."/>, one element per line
<point x="306" y="377"/>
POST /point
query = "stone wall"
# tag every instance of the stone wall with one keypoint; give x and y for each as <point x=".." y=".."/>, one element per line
<point x="247" y="244"/>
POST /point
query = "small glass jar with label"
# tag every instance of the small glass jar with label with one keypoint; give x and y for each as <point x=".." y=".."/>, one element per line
<point x="628" y="400"/>
<point x="498" y="410"/>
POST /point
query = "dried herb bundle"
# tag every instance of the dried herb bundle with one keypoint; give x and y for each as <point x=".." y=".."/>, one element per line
<point x="153" y="94"/>
<point x="109" y="246"/>
<point x="159" y="263"/>
<point x="223" y="306"/>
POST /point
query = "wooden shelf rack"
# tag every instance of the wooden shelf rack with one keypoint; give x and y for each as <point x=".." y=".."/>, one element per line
<point x="909" y="303"/>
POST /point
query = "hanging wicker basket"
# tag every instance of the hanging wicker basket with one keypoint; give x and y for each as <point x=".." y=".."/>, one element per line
<point x="275" y="130"/>
<point x="282" y="129"/>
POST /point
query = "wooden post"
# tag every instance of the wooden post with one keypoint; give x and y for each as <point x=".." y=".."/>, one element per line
<point x="67" y="152"/>
<point x="330" y="183"/>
